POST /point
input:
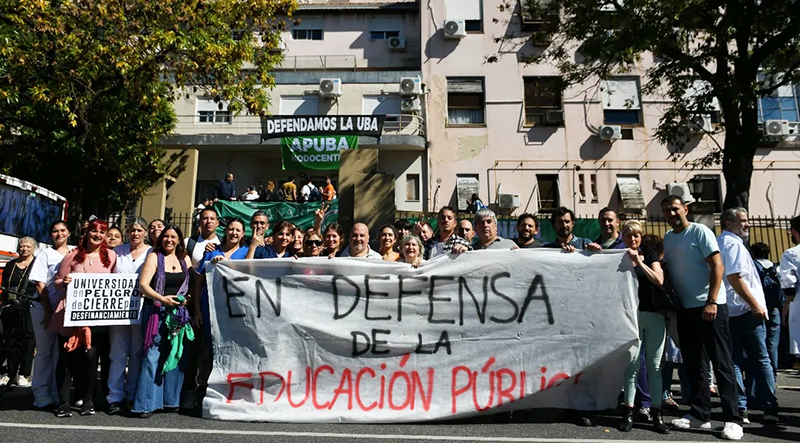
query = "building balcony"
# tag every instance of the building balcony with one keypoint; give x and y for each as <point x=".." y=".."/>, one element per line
<point x="408" y="59"/>
<point x="400" y="131"/>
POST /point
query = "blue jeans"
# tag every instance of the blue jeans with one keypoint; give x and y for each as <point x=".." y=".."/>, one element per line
<point x="774" y="338"/>
<point x="156" y="390"/>
<point x="748" y="334"/>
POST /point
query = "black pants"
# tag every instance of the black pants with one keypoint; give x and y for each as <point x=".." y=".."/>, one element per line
<point x="701" y="340"/>
<point x="101" y="340"/>
<point x="19" y="327"/>
<point x="80" y="365"/>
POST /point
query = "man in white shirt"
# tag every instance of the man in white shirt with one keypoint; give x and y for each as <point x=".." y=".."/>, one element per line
<point x="359" y="244"/>
<point x="308" y="189"/>
<point x="790" y="264"/>
<point x="207" y="241"/>
<point x="747" y="311"/>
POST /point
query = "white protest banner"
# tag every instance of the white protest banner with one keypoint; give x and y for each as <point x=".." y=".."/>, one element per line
<point x="319" y="340"/>
<point x="103" y="300"/>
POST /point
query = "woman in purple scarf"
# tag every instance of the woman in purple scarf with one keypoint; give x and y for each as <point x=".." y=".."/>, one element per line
<point x="165" y="280"/>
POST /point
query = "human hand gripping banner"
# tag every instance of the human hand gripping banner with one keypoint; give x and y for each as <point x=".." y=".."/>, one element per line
<point x="319" y="340"/>
<point x="103" y="300"/>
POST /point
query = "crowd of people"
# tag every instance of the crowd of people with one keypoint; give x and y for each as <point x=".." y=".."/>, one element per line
<point x="706" y="304"/>
<point x="289" y="191"/>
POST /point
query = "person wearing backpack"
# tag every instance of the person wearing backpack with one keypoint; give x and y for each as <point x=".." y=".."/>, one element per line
<point x="771" y="282"/>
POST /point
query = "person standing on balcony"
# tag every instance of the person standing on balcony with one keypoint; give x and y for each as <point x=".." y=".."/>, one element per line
<point x="226" y="189"/>
<point x="329" y="193"/>
<point x="289" y="190"/>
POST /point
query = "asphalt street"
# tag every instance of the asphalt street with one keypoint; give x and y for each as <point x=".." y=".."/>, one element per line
<point x="20" y="423"/>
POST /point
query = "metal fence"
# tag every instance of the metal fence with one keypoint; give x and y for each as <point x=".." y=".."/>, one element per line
<point x="773" y="231"/>
<point x="184" y="221"/>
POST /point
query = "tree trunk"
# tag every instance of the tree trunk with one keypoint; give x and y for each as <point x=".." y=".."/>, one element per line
<point x="737" y="166"/>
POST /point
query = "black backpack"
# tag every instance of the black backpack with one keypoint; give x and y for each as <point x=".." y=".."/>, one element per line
<point x="771" y="283"/>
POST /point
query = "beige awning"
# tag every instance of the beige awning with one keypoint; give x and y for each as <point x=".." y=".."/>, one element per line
<point x="630" y="192"/>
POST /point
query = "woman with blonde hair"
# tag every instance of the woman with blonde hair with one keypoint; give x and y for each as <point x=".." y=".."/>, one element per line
<point x="18" y="293"/>
<point x="652" y="326"/>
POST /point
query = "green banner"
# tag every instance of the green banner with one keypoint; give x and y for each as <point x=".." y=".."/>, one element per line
<point x="507" y="228"/>
<point x="301" y="214"/>
<point x="320" y="153"/>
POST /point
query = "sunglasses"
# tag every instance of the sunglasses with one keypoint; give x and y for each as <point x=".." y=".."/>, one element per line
<point x="313" y="242"/>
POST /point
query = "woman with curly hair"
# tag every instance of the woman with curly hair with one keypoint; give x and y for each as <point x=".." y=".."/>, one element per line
<point x="76" y="353"/>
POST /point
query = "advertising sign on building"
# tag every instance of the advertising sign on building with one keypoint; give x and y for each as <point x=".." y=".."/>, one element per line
<point x="275" y="126"/>
<point x="320" y="153"/>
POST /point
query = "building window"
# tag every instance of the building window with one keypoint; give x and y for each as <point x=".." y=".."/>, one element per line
<point x="308" y="28"/>
<point x="543" y="101"/>
<point x="210" y="111"/>
<point x="466" y="185"/>
<point x="307" y="34"/>
<point x="622" y="104"/>
<point x="465" y="101"/>
<point x="593" y="187"/>
<point x="471" y="11"/>
<point x="383" y="28"/>
<point x="782" y="104"/>
<point x="582" y="188"/>
<point x="298" y="105"/>
<point x="383" y="35"/>
<point x="549" y="198"/>
<point x="412" y="187"/>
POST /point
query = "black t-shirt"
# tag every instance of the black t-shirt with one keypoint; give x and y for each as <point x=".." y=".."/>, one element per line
<point x="647" y="290"/>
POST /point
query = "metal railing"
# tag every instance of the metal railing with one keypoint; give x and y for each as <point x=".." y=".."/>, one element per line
<point x="772" y="231"/>
<point x="407" y="124"/>
<point x="339" y="62"/>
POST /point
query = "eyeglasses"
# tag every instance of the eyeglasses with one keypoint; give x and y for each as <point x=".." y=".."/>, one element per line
<point x="317" y="243"/>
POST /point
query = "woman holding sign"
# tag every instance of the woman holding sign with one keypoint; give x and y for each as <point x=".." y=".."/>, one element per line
<point x="652" y="326"/>
<point x="164" y="280"/>
<point x="43" y="275"/>
<point x="76" y="353"/>
<point x="231" y="248"/>
<point x="126" y="340"/>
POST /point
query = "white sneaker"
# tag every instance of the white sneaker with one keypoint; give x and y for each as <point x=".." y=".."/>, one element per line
<point x="732" y="431"/>
<point x="4" y="380"/>
<point x="688" y="421"/>
<point x="23" y="382"/>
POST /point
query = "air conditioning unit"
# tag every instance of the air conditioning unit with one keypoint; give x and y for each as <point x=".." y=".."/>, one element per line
<point x="554" y="117"/>
<point x="410" y="86"/>
<point x="699" y="124"/>
<point x="330" y="87"/>
<point x="507" y="201"/>
<point x="776" y="128"/>
<point x="454" y="29"/>
<point x="397" y="43"/>
<point x="681" y="190"/>
<point x="610" y="133"/>
<point x="410" y="105"/>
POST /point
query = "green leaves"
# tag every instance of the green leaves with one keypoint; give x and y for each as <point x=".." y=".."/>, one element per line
<point x="86" y="88"/>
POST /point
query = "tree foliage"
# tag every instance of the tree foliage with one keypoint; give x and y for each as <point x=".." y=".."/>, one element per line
<point x="86" y="86"/>
<point x="702" y="51"/>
